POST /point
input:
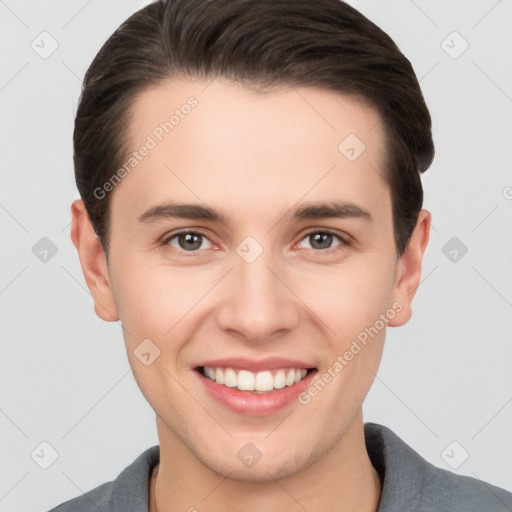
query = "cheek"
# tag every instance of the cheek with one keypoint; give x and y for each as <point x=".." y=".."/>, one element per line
<point x="148" y="300"/>
<point x="159" y="302"/>
<point x="349" y="297"/>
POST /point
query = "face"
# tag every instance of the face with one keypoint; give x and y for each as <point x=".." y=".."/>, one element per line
<point x="281" y="273"/>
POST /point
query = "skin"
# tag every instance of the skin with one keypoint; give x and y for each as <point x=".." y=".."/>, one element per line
<point x="254" y="157"/>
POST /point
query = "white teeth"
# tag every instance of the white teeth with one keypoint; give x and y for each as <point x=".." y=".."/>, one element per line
<point x="261" y="381"/>
<point x="230" y="379"/>
<point x="264" y="381"/>
<point x="290" y="377"/>
<point x="245" y="380"/>
<point x="219" y="376"/>
<point x="280" y="379"/>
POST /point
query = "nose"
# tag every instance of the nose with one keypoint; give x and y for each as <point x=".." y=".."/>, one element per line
<point x="259" y="306"/>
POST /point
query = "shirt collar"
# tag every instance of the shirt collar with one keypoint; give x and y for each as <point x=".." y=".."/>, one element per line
<point x="404" y="474"/>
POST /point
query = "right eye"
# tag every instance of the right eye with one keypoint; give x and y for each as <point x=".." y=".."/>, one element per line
<point x="186" y="241"/>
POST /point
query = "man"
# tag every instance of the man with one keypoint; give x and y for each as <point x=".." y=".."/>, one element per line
<point x="282" y="141"/>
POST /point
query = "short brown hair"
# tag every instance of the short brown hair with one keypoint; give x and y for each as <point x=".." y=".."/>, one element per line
<point x="325" y="44"/>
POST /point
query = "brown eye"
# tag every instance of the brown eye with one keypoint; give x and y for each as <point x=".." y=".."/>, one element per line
<point x="322" y="241"/>
<point x="189" y="241"/>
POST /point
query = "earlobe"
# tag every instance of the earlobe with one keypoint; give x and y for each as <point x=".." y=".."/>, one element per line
<point x="409" y="269"/>
<point x="93" y="262"/>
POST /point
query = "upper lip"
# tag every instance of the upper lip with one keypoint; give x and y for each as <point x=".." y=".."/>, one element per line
<point x="242" y="363"/>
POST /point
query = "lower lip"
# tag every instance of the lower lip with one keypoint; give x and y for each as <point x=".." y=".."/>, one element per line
<point x="254" y="404"/>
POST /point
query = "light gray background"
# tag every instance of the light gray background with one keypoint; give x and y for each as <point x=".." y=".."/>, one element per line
<point x="64" y="374"/>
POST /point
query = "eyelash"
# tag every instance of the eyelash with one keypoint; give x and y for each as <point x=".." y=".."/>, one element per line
<point x="343" y="242"/>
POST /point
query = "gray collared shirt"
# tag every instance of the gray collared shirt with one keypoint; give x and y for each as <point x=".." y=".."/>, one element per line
<point x="409" y="483"/>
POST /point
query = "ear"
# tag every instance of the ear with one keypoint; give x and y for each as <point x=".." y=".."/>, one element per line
<point x="93" y="262"/>
<point x="409" y="269"/>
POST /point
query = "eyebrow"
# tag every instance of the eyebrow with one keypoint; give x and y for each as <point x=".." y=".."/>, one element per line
<point x="306" y="211"/>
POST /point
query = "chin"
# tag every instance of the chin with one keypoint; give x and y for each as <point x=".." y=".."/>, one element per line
<point x="262" y="471"/>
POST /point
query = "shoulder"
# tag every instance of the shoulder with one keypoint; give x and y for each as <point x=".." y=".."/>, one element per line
<point x="129" y="491"/>
<point x="412" y="483"/>
<point x="99" y="498"/>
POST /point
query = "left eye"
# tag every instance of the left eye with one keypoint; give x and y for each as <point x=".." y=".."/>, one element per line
<point x="322" y="240"/>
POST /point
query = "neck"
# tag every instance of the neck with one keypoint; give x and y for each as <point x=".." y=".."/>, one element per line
<point x="343" y="480"/>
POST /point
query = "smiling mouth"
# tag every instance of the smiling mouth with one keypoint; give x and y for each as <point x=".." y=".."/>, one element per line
<point x="266" y="381"/>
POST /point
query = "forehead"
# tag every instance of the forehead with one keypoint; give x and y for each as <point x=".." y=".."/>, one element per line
<point x="212" y="141"/>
